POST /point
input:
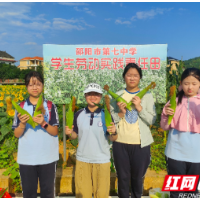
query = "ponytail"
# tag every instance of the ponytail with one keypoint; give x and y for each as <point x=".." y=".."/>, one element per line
<point x="180" y="96"/>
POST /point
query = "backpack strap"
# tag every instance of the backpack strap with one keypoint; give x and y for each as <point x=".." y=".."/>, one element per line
<point x="22" y="104"/>
<point x="49" y="105"/>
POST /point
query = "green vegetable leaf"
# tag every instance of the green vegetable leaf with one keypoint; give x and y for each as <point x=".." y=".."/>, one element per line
<point x="3" y="120"/>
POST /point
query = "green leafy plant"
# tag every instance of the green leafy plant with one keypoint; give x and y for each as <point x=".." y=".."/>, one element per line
<point x="112" y="165"/>
<point x="7" y="161"/>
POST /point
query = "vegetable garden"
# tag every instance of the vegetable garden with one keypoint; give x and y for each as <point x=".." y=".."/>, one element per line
<point x="8" y="142"/>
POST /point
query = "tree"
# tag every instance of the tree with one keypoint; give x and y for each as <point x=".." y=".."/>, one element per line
<point x="11" y="71"/>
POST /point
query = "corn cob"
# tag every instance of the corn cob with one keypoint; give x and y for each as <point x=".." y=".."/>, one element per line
<point x="70" y="112"/>
<point x="39" y="109"/>
<point x="118" y="98"/>
<point x="23" y="112"/>
<point x="172" y="102"/>
<point x="165" y="137"/>
<point x="108" y="118"/>
<point x="144" y="91"/>
<point x="9" y="103"/>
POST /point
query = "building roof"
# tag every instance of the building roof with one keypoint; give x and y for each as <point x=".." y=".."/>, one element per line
<point x="33" y="58"/>
<point x="3" y="54"/>
<point x="170" y="58"/>
<point x="7" y="60"/>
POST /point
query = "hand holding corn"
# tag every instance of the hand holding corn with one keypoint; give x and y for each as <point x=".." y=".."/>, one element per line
<point x="168" y="110"/>
<point x="68" y="131"/>
<point x="137" y="101"/>
<point x="23" y="112"/>
<point x="39" y="119"/>
<point x="111" y="129"/>
<point x="23" y="118"/>
<point x="122" y="107"/>
<point x="118" y="98"/>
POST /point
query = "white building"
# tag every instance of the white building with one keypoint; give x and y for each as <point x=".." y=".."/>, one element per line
<point x="6" y="58"/>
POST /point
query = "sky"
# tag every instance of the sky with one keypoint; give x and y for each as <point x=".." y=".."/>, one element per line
<point x="26" y="26"/>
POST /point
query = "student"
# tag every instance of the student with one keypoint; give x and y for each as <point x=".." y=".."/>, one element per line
<point x="131" y="150"/>
<point x="38" y="147"/>
<point x="92" y="174"/>
<point x="182" y="150"/>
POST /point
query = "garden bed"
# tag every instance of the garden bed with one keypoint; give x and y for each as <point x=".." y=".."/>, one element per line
<point x="65" y="184"/>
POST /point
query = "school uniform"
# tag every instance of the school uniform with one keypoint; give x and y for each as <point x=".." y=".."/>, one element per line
<point x="37" y="154"/>
<point x="182" y="148"/>
<point x="92" y="174"/>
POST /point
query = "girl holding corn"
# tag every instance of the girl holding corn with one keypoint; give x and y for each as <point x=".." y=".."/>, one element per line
<point x="131" y="150"/>
<point x="92" y="174"/>
<point x="37" y="147"/>
<point x="182" y="150"/>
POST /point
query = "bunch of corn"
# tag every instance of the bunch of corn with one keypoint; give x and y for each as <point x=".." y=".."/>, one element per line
<point x="144" y="91"/>
<point x="39" y="109"/>
<point x="70" y="112"/>
<point x="118" y="98"/>
<point x="108" y="118"/>
<point x="23" y="112"/>
<point x="172" y="102"/>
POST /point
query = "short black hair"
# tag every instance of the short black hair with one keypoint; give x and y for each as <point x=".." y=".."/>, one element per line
<point x="132" y="65"/>
<point x="35" y="74"/>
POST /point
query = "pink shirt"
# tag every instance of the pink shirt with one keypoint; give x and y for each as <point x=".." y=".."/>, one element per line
<point x="186" y="117"/>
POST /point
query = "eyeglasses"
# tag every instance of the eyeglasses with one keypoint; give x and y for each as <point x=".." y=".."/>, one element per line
<point x="135" y="76"/>
<point x="36" y="85"/>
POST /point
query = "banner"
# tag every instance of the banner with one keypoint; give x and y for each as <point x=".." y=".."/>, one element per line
<point x="69" y="68"/>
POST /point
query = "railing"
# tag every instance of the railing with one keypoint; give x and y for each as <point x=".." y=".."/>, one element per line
<point x="15" y="81"/>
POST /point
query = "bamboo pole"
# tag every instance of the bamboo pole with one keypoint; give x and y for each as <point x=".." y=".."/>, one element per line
<point x="64" y="135"/>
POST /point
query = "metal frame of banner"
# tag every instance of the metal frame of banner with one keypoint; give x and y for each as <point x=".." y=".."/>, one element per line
<point x="64" y="135"/>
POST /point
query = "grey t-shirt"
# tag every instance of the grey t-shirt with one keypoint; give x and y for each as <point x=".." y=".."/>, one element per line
<point x="92" y="136"/>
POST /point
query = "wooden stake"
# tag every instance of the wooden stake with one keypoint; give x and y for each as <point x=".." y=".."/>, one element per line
<point x="64" y="135"/>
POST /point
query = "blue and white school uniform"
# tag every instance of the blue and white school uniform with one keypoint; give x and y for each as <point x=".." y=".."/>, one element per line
<point x="37" y="153"/>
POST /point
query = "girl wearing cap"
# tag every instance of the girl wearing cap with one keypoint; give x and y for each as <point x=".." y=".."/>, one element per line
<point x="131" y="150"/>
<point x="92" y="174"/>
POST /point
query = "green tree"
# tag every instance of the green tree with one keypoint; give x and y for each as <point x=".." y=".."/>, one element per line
<point x="11" y="71"/>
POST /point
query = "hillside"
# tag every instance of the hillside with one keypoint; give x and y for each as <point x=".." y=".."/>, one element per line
<point x="194" y="62"/>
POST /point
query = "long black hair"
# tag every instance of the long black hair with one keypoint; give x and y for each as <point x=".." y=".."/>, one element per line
<point x="188" y="72"/>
